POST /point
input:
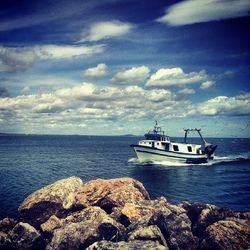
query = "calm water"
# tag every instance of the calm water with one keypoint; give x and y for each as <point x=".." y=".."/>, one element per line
<point x="30" y="162"/>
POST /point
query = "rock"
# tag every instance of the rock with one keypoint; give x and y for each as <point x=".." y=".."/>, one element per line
<point x="57" y="198"/>
<point x="111" y="193"/>
<point x="231" y="233"/>
<point x="203" y="215"/>
<point x="5" y="241"/>
<point x="51" y="224"/>
<point x="152" y="233"/>
<point x="7" y="224"/>
<point x="134" y="212"/>
<point x="81" y="229"/>
<point x="132" y="245"/>
<point x="176" y="229"/>
<point x="25" y="236"/>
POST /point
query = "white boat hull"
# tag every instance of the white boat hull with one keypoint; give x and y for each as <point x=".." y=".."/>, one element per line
<point x="146" y="154"/>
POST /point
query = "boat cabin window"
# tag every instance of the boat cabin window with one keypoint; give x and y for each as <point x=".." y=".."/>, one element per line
<point x="189" y="149"/>
<point x="176" y="148"/>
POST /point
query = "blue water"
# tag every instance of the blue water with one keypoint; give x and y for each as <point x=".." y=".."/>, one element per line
<point x="31" y="162"/>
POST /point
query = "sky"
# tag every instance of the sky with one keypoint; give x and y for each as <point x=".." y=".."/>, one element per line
<point x="113" y="67"/>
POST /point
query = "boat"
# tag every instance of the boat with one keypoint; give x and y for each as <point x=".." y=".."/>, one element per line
<point x="159" y="147"/>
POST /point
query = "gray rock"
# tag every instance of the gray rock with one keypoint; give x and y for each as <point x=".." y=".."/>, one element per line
<point x="152" y="233"/>
<point x="231" y="233"/>
<point x="25" y="236"/>
<point x="203" y="215"/>
<point x="132" y="245"/>
<point x="176" y="229"/>
<point x="7" y="224"/>
<point x="83" y="228"/>
<point x="58" y="198"/>
<point x="5" y="241"/>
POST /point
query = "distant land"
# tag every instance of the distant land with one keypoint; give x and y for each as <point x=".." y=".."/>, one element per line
<point x="125" y="135"/>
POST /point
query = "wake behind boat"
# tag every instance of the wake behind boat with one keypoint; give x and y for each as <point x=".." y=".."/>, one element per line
<point x="158" y="147"/>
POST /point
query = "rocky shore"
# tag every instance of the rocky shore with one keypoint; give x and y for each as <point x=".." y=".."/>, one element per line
<point x="119" y="214"/>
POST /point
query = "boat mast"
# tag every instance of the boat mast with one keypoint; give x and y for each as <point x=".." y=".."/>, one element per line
<point x="186" y="132"/>
<point x="198" y="131"/>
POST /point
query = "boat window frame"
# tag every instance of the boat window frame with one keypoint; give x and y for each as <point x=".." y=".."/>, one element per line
<point x="189" y="148"/>
<point x="176" y="148"/>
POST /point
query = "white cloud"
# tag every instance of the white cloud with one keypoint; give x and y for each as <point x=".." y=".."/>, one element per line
<point x="133" y="76"/>
<point x="186" y="91"/>
<point x="108" y="29"/>
<point x="207" y="85"/>
<point x="196" y="11"/>
<point x="89" y="92"/>
<point x="159" y="95"/>
<point x="175" y="76"/>
<point x="22" y="58"/>
<point x="67" y="51"/>
<point x="96" y="72"/>
<point x="223" y="105"/>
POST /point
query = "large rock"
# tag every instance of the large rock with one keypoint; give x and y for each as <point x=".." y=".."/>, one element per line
<point x="57" y="198"/>
<point x="7" y="224"/>
<point x="83" y="228"/>
<point x="152" y="233"/>
<point x="134" y="212"/>
<point x="203" y="215"/>
<point x="25" y="236"/>
<point x="111" y="193"/>
<point x="5" y="241"/>
<point x="176" y="229"/>
<point x="231" y="233"/>
<point x="50" y="225"/>
<point x="122" y="245"/>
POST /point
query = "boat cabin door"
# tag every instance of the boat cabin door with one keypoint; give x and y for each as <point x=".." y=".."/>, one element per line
<point x="153" y="144"/>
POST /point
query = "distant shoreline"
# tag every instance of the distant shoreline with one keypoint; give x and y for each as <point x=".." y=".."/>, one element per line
<point x="126" y="135"/>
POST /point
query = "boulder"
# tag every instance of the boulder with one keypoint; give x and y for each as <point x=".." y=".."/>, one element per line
<point x="111" y="193"/>
<point x="82" y="228"/>
<point x="152" y="233"/>
<point x="122" y="245"/>
<point x="134" y="212"/>
<point x="176" y="229"/>
<point x="58" y="198"/>
<point x="203" y="215"/>
<point x="7" y="224"/>
<point x="50" y="225"/>
<point x="231" y="233"/>
<point x="5" y="241"/>
<point x="25" y="236"/>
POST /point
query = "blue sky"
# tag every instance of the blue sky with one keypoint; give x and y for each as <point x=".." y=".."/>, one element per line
<point x="114" y="66"/>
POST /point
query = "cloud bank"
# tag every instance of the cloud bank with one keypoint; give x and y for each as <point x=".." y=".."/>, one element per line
<point x="21" y="58"/>
<point x="88" y="102"/>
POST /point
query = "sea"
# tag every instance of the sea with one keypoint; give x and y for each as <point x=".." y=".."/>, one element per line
<point x="29" y="162"/>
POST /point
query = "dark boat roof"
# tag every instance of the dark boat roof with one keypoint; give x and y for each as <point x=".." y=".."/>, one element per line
<point x="154" y="136"/>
